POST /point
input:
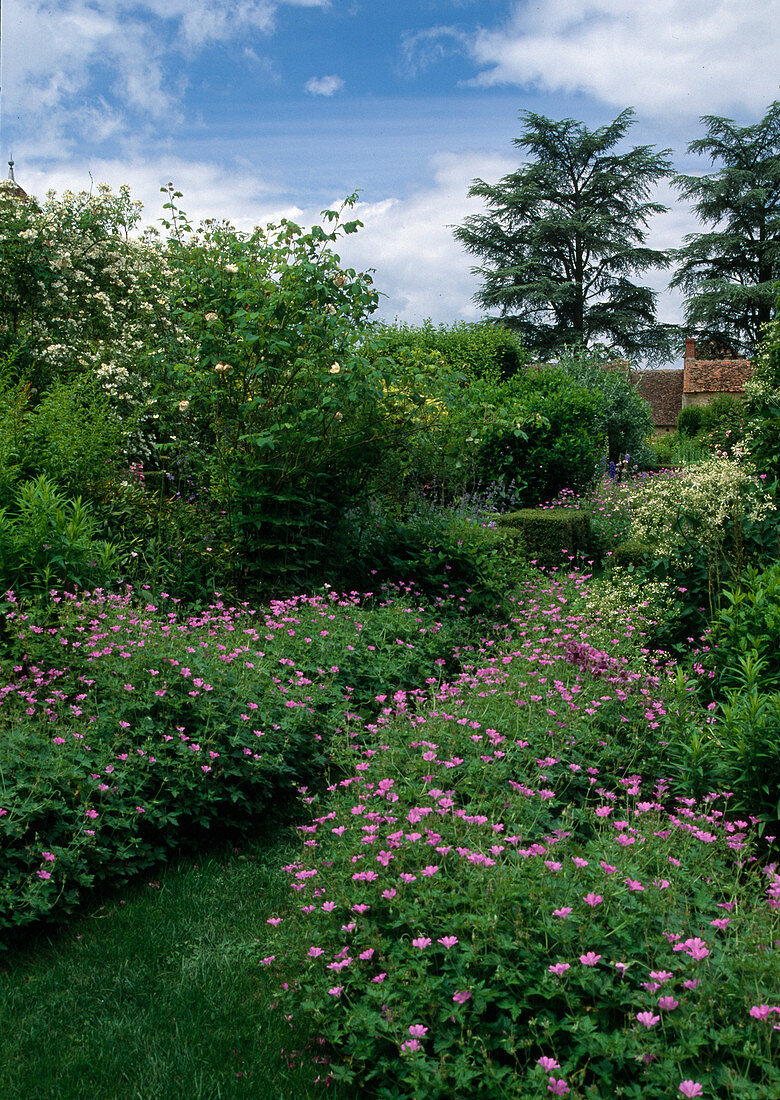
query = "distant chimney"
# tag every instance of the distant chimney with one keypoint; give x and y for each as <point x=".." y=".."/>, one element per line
<point x="690" y="348"/>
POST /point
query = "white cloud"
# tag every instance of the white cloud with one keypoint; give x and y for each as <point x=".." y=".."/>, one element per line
<point x="324" y="85"/>
<point x="424" y="48"/>
<point x="701" y="56"/>
<point x="420" y="267"/>
<point x="58" y="52"/>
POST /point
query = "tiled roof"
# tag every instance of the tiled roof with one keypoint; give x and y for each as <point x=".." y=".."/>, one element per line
<point x="716" y="375"/>
<point x="663" y="390"/>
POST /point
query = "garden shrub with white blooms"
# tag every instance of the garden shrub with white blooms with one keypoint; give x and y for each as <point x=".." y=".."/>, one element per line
<point x="696" y="506"/>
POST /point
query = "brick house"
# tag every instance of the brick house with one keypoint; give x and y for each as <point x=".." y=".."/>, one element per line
<point x="698" y="382"/>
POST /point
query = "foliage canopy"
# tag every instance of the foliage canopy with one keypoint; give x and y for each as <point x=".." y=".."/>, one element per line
<point x="729" y="272"/>
<point x="565" y="235"/>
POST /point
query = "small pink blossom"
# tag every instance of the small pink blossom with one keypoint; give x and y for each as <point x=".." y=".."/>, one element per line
<point x="593" y="899"/>
<point x="668" y="1003"/>
<point x="590" y="958"/>
<point x="448" y="941"/>
<point x="647" y="1019"/>
<point x="564" y="912"/>
<point x="547" y="1064"/>
<point x="460" y="996"/>
<point x="558" y="969"/>
<point x="691" y="1088"/>
<point x="694" y="946"/>
<point x="417" y="1031"/>
<point x="557" y="1088"/>
<point x="421" y="942"/>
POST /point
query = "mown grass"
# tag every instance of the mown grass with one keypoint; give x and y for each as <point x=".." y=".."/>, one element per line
<point x="156" y="992"/>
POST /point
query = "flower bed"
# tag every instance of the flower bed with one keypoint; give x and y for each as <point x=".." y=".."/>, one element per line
<point x="504" y="896"/>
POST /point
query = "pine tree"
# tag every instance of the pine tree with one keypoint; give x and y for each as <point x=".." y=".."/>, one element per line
<point x="730" y="272"/>
<point x="565" y="235"/>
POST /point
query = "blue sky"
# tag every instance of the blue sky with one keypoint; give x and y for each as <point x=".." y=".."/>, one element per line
<point x="258" y="109"/>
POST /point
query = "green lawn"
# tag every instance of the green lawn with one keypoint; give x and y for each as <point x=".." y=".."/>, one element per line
<point x="157" y="992"/>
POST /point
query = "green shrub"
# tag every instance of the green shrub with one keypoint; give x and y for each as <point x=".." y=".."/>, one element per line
<point x="537" y="434"/>
<point x="14" y="401"/>
<point x="747" y="627"/>
<point x="625" y="419"/>
<point x="73" y="437"/>
<point x="479" y="349"/>
<point x="547" y="533"/>
<point x="676" y="449"/>
<point x="438" y="551"/>
<point x="631" y="552"/>
<point x="690" y="420"/>
<point x="47" y="540"/>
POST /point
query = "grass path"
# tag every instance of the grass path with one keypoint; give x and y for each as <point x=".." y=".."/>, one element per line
<point x="156" y="993"/>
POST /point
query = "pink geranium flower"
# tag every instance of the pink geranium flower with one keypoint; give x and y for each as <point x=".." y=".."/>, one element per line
<point x="590" y="958"/>
<point x="691" y="1088"/>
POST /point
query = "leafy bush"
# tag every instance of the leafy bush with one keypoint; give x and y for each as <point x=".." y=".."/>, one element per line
<point x="14" y="400"/>
<point x="690" y="519"/>
<point x="537" y="434"/>
<point x="625" y="419"/>
<point x="677" y="449"/>
<point x="690" y="420"/>
<point x="47" y="540"/>
<point x="747" y="627"/>
<point x="762" y="403"/>
<point x="73" y="437"/>
<point x="438" y="550"/>
<point x="285" y="420"/>
<point x="480" y="349"/>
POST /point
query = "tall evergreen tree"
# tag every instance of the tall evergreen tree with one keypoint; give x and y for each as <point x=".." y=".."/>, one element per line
<point x="730" y="271"/>
<point x="565" y="235"/>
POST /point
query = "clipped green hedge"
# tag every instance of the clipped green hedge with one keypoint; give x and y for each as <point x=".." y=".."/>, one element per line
<point x="631" y="552"/>
<point x="546" y="533"/>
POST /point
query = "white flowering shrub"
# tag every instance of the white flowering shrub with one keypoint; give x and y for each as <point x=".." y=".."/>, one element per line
<point x="84" y="295"/>
<point x="694" y="508"/>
